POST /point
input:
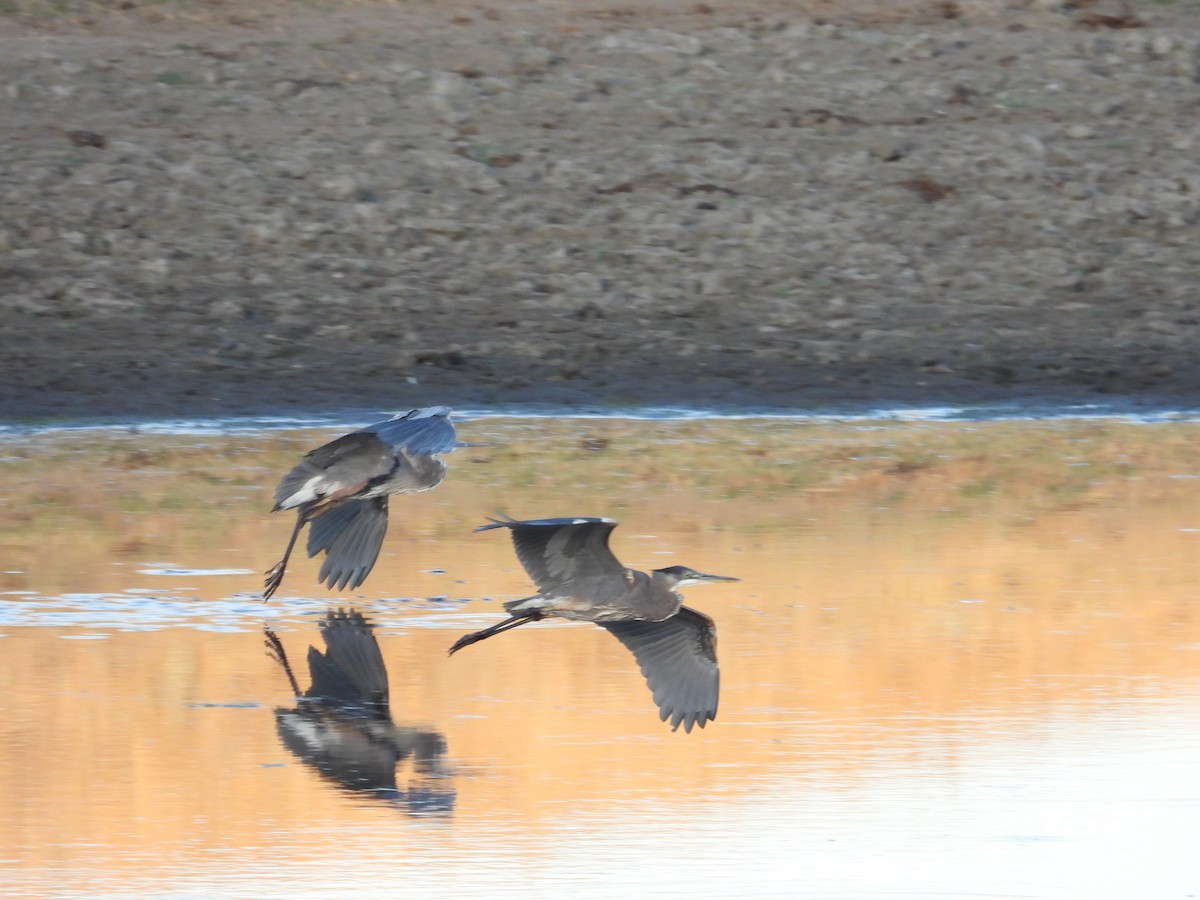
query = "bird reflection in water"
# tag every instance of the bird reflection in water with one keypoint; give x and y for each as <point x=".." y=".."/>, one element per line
<point x="342" y="725"/>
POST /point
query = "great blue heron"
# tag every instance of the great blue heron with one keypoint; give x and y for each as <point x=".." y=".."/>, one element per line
<point x="342" y="725"/>
<point x="342" y="488"/>
<point x="578" y="577"/>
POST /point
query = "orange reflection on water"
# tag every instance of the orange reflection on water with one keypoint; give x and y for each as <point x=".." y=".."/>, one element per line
<point x="895" y="618"/>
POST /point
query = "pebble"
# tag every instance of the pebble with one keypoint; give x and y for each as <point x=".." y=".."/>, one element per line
<point x="339" y="187"/>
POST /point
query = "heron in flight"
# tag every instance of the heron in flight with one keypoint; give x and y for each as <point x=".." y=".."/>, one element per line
<point x="342" y="489"/>
<point x="579" y="578"/>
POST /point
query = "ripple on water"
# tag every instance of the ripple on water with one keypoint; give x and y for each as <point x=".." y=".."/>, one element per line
<point x="177" y="571"/>
<point x="135" y="609"/>
<point x="152" y="609"/>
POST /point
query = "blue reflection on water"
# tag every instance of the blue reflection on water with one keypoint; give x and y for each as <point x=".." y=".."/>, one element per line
<point x="136" y="609"/>
<point x="152" y="609"/>
<point x="1030" y="409"/>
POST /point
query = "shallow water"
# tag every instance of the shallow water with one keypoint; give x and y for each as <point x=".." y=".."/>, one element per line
<point x="964" y="660"/>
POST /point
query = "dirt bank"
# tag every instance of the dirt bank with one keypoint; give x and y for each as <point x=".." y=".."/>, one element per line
<point x="229" y="207"/>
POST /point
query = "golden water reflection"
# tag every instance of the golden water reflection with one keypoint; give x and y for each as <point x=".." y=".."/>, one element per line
<point x="915" y="599"/>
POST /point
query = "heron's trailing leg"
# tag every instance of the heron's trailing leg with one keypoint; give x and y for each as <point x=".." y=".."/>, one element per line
<point x="276" y="652"/>
<point x="275" y="573"/>
<point x="514" y="622"/>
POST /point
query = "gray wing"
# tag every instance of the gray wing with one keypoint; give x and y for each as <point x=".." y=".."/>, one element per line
<point x="342" y="466"/>
<point x="351" y="669"/>
<point x="678" y="657"/>
<point x="556" y="552"/>
<point x="419" y="432"/>
<point x="351" y="534"/>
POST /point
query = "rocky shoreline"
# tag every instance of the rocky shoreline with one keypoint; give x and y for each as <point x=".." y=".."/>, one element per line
<point x="212" y="211"/>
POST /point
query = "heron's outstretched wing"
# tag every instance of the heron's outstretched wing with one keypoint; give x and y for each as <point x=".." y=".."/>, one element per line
<point x="678" y="656"/>
<point x="351" y="534"/>
<point x="351" y="670"/>
<point x="419" y="432"/>
<point x="556" y="552"/>
<point x="341" y="467"/>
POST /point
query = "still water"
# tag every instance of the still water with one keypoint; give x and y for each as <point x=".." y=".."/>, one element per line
<point x="963" y="661"/>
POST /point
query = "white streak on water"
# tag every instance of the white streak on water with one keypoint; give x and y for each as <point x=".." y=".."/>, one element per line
<point x="350" y="419"/>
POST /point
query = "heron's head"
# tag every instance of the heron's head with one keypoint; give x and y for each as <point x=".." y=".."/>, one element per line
<point x="681" y="576"/>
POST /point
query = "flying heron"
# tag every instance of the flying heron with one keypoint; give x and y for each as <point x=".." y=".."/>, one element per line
<point x="579" y="578"/>
<point x="342" y="725"/>
<point x="342" y="488"/>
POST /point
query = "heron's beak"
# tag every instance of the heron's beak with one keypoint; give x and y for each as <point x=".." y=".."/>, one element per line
<point x="701" y="578"/>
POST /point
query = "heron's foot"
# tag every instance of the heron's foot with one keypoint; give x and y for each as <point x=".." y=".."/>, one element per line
<point x="509" y="623"/>
<point x="273" y="580"/>
<point x="466" y="640"/>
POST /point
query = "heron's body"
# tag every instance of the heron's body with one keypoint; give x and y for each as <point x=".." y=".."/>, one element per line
<point x="342" y="489"/>
<point x="580" y="579"/>
<point x="649" y="597"/>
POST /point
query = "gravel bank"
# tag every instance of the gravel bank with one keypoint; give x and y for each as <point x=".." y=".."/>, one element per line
<point x="226" y="208"/>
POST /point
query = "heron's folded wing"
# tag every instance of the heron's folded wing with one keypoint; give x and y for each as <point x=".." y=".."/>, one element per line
<point x="678" y="657"/>
<point x="351" y="535"/>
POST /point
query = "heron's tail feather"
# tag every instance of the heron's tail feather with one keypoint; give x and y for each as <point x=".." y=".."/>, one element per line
<point x="499" y="521"/>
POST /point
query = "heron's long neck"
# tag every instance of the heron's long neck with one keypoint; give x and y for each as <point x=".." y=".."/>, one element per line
<point x="666" y="600"/>
<point x="412" y="474"/>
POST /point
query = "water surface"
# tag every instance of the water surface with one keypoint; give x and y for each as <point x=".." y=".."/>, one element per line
<point x="964" y="660"/>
